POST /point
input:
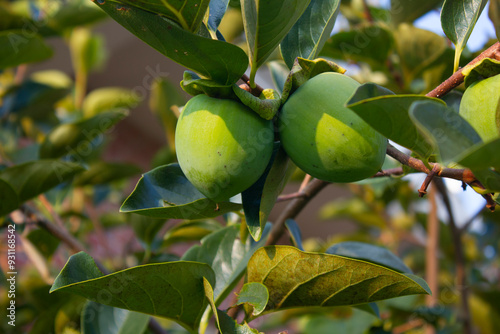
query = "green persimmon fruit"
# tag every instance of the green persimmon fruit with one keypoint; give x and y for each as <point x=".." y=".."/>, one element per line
<point x="222" y="146"/>
<point x="323" y="137"/>
<point x="480" y="106"/>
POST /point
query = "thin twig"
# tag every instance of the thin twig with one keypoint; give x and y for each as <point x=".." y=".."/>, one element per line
<point x="459" y="256"/>
<point x="431" y="254"/>
<point x="389" y="172"/>
<point x="48" y="206"/>
<point x="305" y="182"/>
<point x="457" y="78"/>
<point x="423" y="189"/>
<point x="294" y="208"/>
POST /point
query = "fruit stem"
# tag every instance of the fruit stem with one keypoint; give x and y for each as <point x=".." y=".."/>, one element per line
<point x="256" y="90"/>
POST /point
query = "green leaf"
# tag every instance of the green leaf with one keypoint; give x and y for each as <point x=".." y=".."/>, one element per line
<point x="216" y="11"/>
<point x="417" y="49"/>
<point x="370" y="253"/>
<point x="172" y="290"/>
<point x="36" y="177"/>
<point x="74" y="14"/>
<point x="295" y="234"/>
<point x="458" y="18"/>
<point x="192" y="84"/>
<point x="389" y="115"/>
<point x="101" y="172"/>
<point x="209" y="293"/>
<point x="191" y="230"/>
<point x="482" y="156"/>
<point x="254" y="294"/>
<point x="303" y="70"/>
<point x="259" y="199"/>
<point x="409" y="11"/>
<point x="9" y="202"/>
<point x="485" y="311"/>
<point x="188" y="14"/>
<point x="266" y="105"/>
<point x="146" y="229"/>
<point x="494" y="14"/>
<point x="370" y="43"/>
<point x="266" y="24"/>
<point x="18" y="47"/>
<point x="216" y="60"/>
<point x="308" y="36"/>
<point x="70" y="138"/>
<point x="483" y="69"/>
<point x="87" y="50"/>
<point x="227" y="255"/>
<point x="355" y="209"/>
<point x="350" y="321"/>
<point x="297" y="279"/>
<point x="99" y="319"/>
<point x="165" y="192"/>
<point x="444" y="128"/>
<point x="109" y="98"/>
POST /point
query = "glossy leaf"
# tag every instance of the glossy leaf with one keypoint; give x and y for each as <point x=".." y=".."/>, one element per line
<point x="409" y="11"/>
<point x="458" y="18"/>
<point x="369" y="43"/>
<point x="193" y="84"/>
<point x="309" y="34"/>
<point x="444" y="128"/>
<point x="389" y="116"/>
<point x="266" y="24"/>
<point x="102" y="172"/>
<point x="417" y="49"/>
<point x="296" y="279"/>
<point x="216" y="11"/>
<point x="370" y="253"/>
<point x="36" y="177"/>
<point x="109" y="98"/>
<point x="165" y="192"/>
<point x="295" y="234"/>
<point x="209" y="293"/>
<point x="482" y="156"/>
<point x="215" y="60"/>
<point x="172" y="290"/>
<point x="227" y="255"/>
<point x="9" y="201"/>
<point x="191" y="230"/>
<point x="70" y="138"/>
<point x="254" y="294"/>
<point x="188" y="14"/>
<point x="100" y="319"/>
<point x="230" y="326"/>
<point x="259" y="199"/>
<point x="18" y="47"/>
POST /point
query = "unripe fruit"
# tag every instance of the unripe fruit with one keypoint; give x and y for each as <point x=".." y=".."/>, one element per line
<point x="222" y="146"/>
<point x="480" y="106"/>
<point x="323" y="137"/>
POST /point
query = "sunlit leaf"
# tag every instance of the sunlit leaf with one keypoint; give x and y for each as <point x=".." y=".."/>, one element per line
<point x="107" y="99"/>
<point x="310" y="32"/>
<point x="296" y="279"/>
<point x="191" y="230"/>
<point x="172" y="290"/>
<point x="458" y="18"/>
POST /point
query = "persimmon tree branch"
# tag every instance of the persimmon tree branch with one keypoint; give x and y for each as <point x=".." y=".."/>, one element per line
<point x="457" y="78"/>
<point x="294" y="208"/>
